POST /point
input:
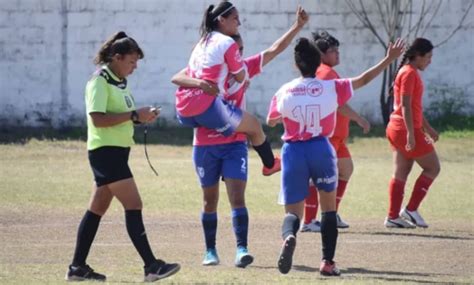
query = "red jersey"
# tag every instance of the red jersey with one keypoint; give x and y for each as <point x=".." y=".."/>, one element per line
<point x="407" y="83"/>
<point x="341" y="130"/>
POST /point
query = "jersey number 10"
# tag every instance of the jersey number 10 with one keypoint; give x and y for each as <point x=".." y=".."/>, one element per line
<point x="309" y="121"/>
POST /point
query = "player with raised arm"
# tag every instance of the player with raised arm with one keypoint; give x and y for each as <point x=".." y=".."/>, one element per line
<point x="214" y="59"/>
<point x="307" y="108"/>
<point x="216" y="155"/>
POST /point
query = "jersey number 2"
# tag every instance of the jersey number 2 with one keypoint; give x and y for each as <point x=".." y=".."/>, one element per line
<point x="310" y="120"/>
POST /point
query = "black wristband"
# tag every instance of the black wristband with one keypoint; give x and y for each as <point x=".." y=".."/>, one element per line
<point x="134" y="117"/>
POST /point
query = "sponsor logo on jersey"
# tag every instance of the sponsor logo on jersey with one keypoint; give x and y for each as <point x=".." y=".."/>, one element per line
<point x="191" y="92"/>
<point x="314" y="89"/>
<point x="298" y="90"/>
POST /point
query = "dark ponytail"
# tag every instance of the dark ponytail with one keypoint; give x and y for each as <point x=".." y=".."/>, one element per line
<point x="119" y="43"/>
<point x="211" y="14"/>
<point x="419" y="47"/>
<point x="307" y="57"/>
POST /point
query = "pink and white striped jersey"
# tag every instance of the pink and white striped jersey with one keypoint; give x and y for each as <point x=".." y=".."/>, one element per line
<point x="307" y="106"/>
<point x="236" y="96"/>
<point x="214" y="59"/>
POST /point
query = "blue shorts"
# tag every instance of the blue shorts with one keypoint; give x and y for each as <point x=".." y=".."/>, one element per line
<point x="315" y="159"/>
<point x="220" y="116"/>
<point x="225" y="160"/>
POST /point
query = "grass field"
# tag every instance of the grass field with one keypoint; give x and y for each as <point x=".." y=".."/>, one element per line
<point x="45" y="187"/>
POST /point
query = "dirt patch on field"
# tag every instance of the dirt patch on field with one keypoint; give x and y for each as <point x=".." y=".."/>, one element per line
<point x="366" y="253"/>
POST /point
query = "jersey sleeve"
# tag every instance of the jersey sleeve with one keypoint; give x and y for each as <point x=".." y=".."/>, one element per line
<point x="273" y="112"/>
<point x="233" y="59"/>
<point x="254" y="64"/>
<point x="96" y="95"/>
<point x="344" y="90"/>
<point x="407" y="83"/>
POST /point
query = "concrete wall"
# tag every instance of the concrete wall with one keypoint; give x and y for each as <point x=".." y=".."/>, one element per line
<point x="47" y="47"/>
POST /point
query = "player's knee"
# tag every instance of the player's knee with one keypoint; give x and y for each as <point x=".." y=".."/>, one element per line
<point x="133" y="205"/>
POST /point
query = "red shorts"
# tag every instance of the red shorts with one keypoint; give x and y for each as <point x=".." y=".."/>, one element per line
<point x="340" y="147"/>
<point x="398" y="141"/>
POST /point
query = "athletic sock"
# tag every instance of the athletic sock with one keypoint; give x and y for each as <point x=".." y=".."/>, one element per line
<point x="240" y="222"/>
<point x="329" y="234"/>
<point x="341" y="189"/>
<point x="137" y="233"/>
<point x="396" y="190"/>
<point x="85" y="236"/>
<point x="266" y="154"/>
<point x="311" y="205"/>
<point x="209" y="225"/>
<point x="291" y="224"/>
<point x="420" y="189"/>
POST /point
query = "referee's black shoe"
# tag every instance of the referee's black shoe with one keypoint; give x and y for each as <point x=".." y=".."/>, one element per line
<point x="160" y="270"/>
<point x="82" y="273"/>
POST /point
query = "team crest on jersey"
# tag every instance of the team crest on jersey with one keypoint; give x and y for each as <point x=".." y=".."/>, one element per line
<point x="314" y="89"/>
<point x="128" y="101"/>
<point x="298" y="90"/>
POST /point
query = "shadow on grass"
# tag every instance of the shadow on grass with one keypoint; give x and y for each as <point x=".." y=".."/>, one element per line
<point x="431" y="236"/>
<point x="404" y="276"/>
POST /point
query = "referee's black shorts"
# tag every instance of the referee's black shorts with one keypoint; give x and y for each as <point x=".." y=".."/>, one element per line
<point x="110" y="164"/>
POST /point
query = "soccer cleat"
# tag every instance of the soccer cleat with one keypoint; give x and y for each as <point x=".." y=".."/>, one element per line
<point x="242" y="257"/>
<point x="414" y="217"/>
<point x="160" y="270"/>
<point x="83" y="272"/>
<point x="276" y="167"/>
<point x="398" y="223"/>
<point x="286" y="256"/>
<point x="340" y="223"/>
<point x="314" y="226"/>
<point x="328" y="268"/>
<point x="211" y="257"/>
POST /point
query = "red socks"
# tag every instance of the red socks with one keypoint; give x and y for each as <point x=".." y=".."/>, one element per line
<point x="341" y="188"/>
<point x="311" y="205"/>
<point x="396" y="189"/>
<point x="422" y="185"/>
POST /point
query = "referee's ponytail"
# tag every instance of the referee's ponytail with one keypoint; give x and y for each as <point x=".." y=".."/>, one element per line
<point x="118" y="43"/>
<point x="211" y="16"/>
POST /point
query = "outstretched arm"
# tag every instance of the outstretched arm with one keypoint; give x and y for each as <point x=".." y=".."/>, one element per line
<point x="393" y="52"/>
<point x="183" y="80"/>
<point x="282" y="43"/>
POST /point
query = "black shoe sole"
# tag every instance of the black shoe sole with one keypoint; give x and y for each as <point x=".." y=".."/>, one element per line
<point x="286" y="255"/>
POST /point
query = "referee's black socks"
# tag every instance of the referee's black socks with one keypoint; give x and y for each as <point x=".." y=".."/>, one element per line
<point x="266" y="154"/>
<point x="136" y="231"/>
<point x="329" y="234"/>
<point x="85" y="235"/>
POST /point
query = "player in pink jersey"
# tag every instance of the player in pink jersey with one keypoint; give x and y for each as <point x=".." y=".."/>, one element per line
<point x="307" y="108"/>
<point x="215" y="59"/>
<point x="329" y="48"/>
<point x="216" y="155"/>
<point x="411" y="138"/>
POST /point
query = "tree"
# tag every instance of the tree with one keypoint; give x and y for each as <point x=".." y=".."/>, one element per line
<point x="405" y="19"/>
